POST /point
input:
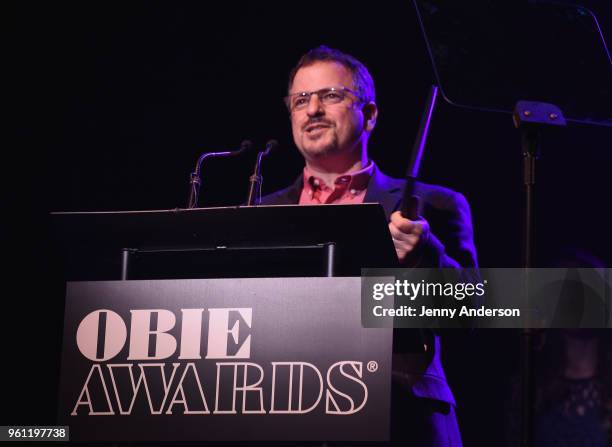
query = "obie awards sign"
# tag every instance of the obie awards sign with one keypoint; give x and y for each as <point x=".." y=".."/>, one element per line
<point x="235" y="360"/>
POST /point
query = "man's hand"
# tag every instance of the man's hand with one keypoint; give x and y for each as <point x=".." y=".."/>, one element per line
<point x="407" y="234"/>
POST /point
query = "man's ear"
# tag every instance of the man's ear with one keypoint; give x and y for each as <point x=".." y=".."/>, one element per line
<point x="370" y="113"/>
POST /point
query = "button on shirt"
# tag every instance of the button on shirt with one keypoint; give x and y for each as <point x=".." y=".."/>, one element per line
<point x="347" y="188"/>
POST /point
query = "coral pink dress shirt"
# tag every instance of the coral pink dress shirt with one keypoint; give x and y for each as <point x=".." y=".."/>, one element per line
<point x="347" y="188"/>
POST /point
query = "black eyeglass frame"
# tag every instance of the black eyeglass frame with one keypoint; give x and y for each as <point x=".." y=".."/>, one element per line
<point x="341" y="89"/>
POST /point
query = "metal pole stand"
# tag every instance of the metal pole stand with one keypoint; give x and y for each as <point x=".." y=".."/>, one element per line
<point x="530" y="118"/>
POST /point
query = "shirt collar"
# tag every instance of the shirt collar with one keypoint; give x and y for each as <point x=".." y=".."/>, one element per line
<point x="357" y="180"/>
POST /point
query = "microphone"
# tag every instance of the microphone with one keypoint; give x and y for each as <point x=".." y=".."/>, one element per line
<point x="196" y="179"/>
<point x="256" y="179"/>
<point x="271" y="146"/>
<point x="245" y="146"/>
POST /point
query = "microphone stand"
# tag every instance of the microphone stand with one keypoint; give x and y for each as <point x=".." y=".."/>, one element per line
<point x="196" y="178"/>
<point x="530" y="118"/>
<point x="408" y="206"/>
<point x="256" y="178"/>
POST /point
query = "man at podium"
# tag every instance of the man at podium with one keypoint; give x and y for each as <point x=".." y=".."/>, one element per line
<point x="331" y="101"/>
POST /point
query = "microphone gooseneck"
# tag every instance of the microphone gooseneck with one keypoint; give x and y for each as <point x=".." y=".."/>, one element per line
<point x="196" y="178"/>
<point x="255" y="181"/>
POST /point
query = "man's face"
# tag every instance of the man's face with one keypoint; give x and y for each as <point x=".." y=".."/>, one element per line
<point x="325" y="130"/>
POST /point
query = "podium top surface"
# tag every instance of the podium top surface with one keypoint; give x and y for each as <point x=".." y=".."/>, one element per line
<point x="360" y="232"/>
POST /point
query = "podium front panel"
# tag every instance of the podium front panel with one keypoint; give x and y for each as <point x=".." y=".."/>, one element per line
<point x="250" y="359"/>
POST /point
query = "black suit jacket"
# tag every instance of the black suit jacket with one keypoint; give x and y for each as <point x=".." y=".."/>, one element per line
<point x="450" y="245"/>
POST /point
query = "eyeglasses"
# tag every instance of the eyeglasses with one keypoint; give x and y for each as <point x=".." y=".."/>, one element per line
<point x="327" y="96"/>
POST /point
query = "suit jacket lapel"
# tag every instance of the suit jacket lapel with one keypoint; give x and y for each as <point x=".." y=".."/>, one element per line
<point x="293" y="193"/>
<point x="287" y="196"/>
<point x="384" y="190"/>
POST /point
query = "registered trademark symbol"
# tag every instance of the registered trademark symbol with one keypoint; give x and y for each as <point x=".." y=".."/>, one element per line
<point x="372" y="366"/>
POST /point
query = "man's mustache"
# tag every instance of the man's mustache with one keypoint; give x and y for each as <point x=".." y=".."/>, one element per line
<point x="315" y="120"/>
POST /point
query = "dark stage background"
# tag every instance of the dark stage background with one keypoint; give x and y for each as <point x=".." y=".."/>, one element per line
<point x="116" y="100"/>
